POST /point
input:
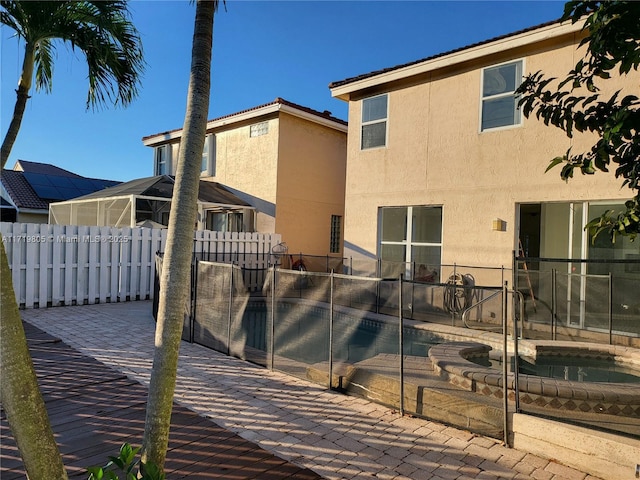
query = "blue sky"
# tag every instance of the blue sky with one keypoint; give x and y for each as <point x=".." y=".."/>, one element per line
<point x="262" y="50"/>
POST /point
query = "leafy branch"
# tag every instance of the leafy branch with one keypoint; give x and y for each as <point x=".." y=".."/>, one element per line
<point x="576" y="104"/>
<point x="126" y="462"/>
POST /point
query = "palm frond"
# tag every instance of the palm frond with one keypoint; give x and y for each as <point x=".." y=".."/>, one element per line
<point x="101" y="29"/>
<point x="44" y="65"/>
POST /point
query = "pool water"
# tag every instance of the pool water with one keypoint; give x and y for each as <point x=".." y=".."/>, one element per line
<point x="580" y="369"/>
<point x="577" y="369"/>
<point x="302" y="334"/>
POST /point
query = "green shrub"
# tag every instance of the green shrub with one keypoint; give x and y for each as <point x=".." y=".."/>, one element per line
<point x="126" y="462"/>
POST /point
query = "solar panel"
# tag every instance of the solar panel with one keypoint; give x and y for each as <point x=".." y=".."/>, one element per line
<point x="37" y="179"/>
<point x="47" y="192"/>
<point x="61" y="181"/>
<point x="67" y="193"/>
<point x="57" y="187"/>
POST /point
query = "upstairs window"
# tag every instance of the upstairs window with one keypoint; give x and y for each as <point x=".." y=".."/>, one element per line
<point x="208" y="165"/>
<point x="374" y="122"/>
<point x="162" y="160"/>
<point x="499" y="100"/>
<point x="259" y="129"/>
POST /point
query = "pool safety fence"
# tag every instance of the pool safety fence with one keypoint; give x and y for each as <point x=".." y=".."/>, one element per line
<point x="590" y="300"/>
<point x="400" y="343"/>
<point x="577" y="339"/>
<point x="379" y="268"/>
<point x="348" y="333"/>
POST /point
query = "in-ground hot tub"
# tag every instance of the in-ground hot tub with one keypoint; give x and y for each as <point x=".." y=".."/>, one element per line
<point x="454" y="361"/>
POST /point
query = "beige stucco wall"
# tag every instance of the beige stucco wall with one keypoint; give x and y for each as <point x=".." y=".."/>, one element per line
<point x="248" y="166"/>
<point x="436" y="155"/>
<point x="311" y="182"/>
<point x="293" y="175"/>
<point x="33" y="217"/>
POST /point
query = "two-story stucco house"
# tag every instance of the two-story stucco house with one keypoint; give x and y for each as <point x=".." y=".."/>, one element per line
<point x="285" y="160"/>
<point x="442" y="167"/>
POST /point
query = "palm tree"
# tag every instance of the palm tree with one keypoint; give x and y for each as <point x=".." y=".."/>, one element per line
<point x="103" y="32"/>
<point x="174" y="282"/>
<point x="21" y="398"/>
<point x="100" y="29"/>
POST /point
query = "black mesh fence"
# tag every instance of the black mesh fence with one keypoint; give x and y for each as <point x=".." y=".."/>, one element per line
<point x="565" y="300"/>
<point x="576" y="355"/>
<point x="434" y="348"/>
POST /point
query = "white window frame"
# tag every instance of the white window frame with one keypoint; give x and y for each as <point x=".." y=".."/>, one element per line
<point x="210" y="162"/>
<point x="408" y="240"/>
<point x="259" y="129"/>
<point x="230" y="217"/>
<point x="373" y="122"/>
<point x="519" y="123"/>
<point x="166" y="160"/>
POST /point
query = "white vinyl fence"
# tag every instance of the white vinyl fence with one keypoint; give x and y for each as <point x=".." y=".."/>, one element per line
<point x="54" y="265"/>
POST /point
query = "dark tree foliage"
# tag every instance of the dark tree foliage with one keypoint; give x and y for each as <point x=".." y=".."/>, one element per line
<point x="612" y="40"/>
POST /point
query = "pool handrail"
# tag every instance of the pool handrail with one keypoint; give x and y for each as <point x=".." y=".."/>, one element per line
<point x="477" y="304"/>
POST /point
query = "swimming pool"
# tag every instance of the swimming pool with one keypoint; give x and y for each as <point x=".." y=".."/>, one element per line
<point x="579" y="369"/>
<point x="302" y="333"/>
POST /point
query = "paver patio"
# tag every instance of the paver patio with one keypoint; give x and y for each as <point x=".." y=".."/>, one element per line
<point x="335" y="436"/>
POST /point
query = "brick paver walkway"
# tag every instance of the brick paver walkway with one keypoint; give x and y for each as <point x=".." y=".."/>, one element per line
<point x="336" y="436"/>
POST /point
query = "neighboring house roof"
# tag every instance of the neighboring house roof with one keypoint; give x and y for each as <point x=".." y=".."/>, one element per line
<point x="33" y="185"/>
<point x="342" y="88"/>
<point x="5" y="203"/>
<point x="161" y="186"/>
<point x="43" y="168"/>
<point x="279" y="104"/>
<point x="21" y="193"/>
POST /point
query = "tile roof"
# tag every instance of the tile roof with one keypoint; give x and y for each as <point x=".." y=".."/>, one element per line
<point x="278" y="101"/>
<point x="20" y="186"/>
<point x="346" y="81"/>
<point x="43" y="168"/>
<point x="21" y="193"/>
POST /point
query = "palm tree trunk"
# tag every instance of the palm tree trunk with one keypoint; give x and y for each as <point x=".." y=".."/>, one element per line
<point x="175" y="279"/>
<point x="21" y="398"/>
<point x="24" y="85"/>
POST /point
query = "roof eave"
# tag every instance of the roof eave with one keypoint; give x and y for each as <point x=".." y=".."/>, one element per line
<point x="32" y="210"/>
<point x="247" y="116"/>
<point x="240" y="117"/>
<point x="344" y="91"/>
<point x="229" y="206"/>
<point x="327" y="122"/>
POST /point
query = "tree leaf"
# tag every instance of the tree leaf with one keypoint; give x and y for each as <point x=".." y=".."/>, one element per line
<point x="556" y="161"/>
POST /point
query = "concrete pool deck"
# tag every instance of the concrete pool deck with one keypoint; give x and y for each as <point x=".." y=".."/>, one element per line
<point x="336" y="436"/>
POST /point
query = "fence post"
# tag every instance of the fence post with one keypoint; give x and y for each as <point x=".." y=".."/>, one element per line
<point x="610" y="312"/>
<point x="453" y="299"/>
<point x="194" y="297"/>
<point x="554" y="304"/>
<point x="505" y="360"/>
<point x="516" y="338"/>
<point x="331" y="330"/>
<point x="230" y="309"/>
<point x="272" y="342"/>
<point x="401" y="346"/>
<point x="379" y="275"/>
